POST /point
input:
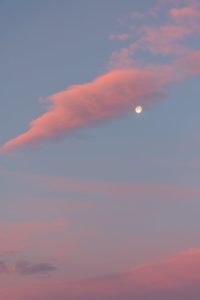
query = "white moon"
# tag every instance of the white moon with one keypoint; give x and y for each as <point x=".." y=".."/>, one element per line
<point x="138" y="109"/>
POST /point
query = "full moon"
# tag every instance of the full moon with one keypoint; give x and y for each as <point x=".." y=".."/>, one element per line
<point x="138" y="109"/>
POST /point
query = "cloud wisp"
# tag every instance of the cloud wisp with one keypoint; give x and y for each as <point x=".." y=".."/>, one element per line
<point x="25" y="268"/>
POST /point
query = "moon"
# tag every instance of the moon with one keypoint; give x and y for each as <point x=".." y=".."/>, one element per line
<point x="138" y="109"/>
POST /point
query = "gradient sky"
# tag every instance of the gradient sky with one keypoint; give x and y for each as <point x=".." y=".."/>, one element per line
<point x="98" y="202"/>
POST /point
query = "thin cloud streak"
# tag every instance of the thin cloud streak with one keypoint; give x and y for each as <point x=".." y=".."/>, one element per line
<point x="25" y="268"/>
<point x="126" y="190"/>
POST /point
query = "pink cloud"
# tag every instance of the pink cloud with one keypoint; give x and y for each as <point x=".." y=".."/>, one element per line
<point x="169" y="38"/>
<point x="122" y="189"/>
<point x="185" y="12"/>
<point x="131" y="80"/>
<point x="174" y="277"/>
<point x="170" y="273"/>
<point x="191" y="64"/>
<point x="110" y="95"/>
<point x="119" y="37"/>
<point x="7" y="252"/>
<point x="173" y="274"/>
<point x="133" y="191"/>
<point x="165" y="40"/>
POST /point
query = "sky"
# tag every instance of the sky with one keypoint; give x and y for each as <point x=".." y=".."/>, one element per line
<point x="96" y="201"/>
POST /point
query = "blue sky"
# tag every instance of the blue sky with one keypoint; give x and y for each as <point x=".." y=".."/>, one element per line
<point x="109" y="196"/>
